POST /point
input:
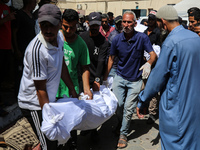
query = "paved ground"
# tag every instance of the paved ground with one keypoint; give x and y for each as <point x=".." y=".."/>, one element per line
<point x="141" y="137"/>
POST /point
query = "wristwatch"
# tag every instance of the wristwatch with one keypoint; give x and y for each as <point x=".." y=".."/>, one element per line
<point x="97" y="79"/>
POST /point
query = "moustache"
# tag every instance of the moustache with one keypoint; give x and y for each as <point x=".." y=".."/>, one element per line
<point x="48" y="34"/>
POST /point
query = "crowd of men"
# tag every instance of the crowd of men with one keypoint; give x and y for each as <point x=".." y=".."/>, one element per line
<point x="63" y="54"/>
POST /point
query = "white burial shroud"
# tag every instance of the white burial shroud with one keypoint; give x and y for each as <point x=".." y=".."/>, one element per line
<point x="69" y="114"/>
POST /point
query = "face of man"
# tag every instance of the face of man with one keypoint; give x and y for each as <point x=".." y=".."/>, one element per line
<point x="151" y="22"/>
<point x="110" y="19"/>
<point x="192" y="22"/>
<point x="197" y="30"/>
<point x="119" y="26"/>
<point x="69" y="28"/>
<point x="104" y="22"/>
<point x="128" y="23"/>
<point x="94" y="30"/>
<point x="49" y="31"/>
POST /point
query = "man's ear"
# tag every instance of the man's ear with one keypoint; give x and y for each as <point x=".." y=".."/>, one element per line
<point x="135" y="23"/>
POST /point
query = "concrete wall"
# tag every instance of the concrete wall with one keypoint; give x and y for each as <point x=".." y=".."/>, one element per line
<point x="115" y="6"/>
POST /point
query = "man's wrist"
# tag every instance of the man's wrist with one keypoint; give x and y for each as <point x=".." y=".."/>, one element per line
<point x="97" y="79"/>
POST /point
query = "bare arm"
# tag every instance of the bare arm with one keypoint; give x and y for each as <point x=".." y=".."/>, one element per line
<point x="109" y="66"/>
<point x="153" y="58"/>
<point x="40" y="86"/>
<point x="67" y="80"/>
<point x="86" y="83"/>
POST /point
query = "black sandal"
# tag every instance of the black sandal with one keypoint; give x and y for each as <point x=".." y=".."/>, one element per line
<point x="122" y="140"/>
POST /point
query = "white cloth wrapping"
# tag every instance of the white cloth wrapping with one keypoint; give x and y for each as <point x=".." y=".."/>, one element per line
<point x="72" y="114"/>
<point x="156" y="49"/>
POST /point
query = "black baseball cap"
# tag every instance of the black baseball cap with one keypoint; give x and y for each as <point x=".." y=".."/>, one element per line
<point x="117" y="19"/>
<point x="50" y="13"/>
<point x="94" y="18"/>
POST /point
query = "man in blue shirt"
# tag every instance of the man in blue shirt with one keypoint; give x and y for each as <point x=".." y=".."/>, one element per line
<point x="177" y="78"/>
<point x="129" y="46"/>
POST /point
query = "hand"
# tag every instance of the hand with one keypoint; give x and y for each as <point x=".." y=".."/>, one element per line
<point x="89" y="93"/>
<point x="146" y="70"/>
<point x="139" y="114"/>
<point x="96" y="86"/>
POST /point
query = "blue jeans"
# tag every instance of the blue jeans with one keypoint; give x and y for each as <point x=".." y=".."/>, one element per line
<point x="112" y="72"/>
<point x="126" y="93"/>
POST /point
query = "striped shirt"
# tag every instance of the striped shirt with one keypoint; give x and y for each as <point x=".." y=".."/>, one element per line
<point x="42" y="61"/>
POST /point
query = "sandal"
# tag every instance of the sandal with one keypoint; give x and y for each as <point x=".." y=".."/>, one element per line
<point x="122" y="140"/>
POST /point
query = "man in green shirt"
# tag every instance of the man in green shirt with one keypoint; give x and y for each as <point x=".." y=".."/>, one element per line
<point x="75" y="52"/>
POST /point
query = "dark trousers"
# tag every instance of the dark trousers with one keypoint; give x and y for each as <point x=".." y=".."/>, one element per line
<point x="35" y="119"/>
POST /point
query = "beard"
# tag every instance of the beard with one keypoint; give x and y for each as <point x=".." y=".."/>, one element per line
<point x="94" y="31"/>
<point x="128" y="29"/>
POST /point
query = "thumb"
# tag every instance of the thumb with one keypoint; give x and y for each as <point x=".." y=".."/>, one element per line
<point x="141" y="68"/>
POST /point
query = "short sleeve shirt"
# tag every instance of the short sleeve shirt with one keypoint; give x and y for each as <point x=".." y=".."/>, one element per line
<point x="130" y="53"/>
<point x="74" y="53"/>
<point x="42" y="61"/>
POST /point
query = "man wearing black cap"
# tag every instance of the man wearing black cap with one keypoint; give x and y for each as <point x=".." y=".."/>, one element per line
<point x="153" y="31"/>
<point x="98" y="49"/>
<point x="43" y="68"/>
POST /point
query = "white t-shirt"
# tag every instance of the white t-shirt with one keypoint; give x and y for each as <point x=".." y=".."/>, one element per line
<point x="42" y="61"/>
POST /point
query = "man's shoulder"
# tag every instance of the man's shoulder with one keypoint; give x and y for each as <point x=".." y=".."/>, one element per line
<point x="85" y="34"/>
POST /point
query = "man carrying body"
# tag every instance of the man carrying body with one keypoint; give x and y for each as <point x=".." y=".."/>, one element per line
<point x="177" y="78"/>
<point x="98" y="49"/>
<point x="43" y="67"/>
<point x="129" y="46"/>
<point x="75" y="52"/>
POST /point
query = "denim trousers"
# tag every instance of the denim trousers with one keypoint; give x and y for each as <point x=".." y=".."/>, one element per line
<point x="126" y="93"/>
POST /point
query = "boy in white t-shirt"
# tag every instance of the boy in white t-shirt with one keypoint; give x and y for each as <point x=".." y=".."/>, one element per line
<point x="43" y="68"/>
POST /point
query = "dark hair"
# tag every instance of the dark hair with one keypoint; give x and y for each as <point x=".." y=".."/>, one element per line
<point x="191" y="10"/>
<point x="110" y="14"/>
<point x="70" y="15"/>
<point x="196" y="15"/>
<point x="103" y="16"/>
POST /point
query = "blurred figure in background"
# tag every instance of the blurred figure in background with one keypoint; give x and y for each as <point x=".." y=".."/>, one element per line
<point x="111" y="20"/>
<point x="105" y="28"/>
<point x="5" y="45"/>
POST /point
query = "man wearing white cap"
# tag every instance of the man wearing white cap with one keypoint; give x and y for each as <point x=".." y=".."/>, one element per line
<point x="177" y="78"/>
<point x="43" y="67"/>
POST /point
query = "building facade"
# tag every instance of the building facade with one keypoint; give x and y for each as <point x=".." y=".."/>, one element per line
<point x="140" y="7"/>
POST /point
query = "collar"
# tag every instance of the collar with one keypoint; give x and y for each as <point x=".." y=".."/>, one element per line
<point x="133" y="38"/>
<point x="175" y="30"/>
<point x="47" y="44"/>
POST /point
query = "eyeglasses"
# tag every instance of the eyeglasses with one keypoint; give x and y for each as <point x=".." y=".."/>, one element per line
<point x="129" y="22"/>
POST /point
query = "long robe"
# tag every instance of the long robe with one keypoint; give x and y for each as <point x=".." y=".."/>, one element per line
<point x="177" y="76"/>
